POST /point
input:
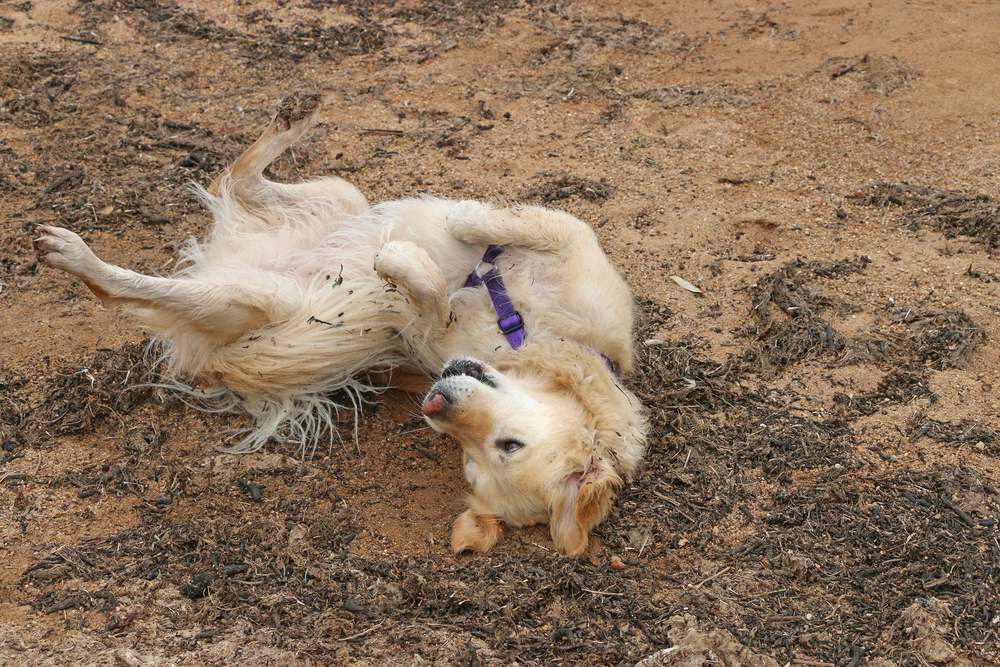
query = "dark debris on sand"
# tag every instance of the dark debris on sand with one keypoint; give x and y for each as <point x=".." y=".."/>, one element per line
<point x="951" y="212"/>
<point x="839" y="562"/>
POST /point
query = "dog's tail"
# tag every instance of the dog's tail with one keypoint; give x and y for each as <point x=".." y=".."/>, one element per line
<point x="304" y="419"/>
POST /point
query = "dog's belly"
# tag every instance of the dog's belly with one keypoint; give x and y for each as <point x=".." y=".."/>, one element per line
<point x="300" y="253"/>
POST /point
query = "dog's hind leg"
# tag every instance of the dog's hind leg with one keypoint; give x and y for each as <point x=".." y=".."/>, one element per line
<point x="222" y="312"/>
<point x="244" y="180"/>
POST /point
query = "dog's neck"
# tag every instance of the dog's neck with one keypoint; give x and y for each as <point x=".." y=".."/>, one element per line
<point x="508" y="319"/>
<point x="510" y="322"/>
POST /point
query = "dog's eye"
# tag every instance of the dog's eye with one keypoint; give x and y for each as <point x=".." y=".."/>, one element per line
<point x="509" y="446"/>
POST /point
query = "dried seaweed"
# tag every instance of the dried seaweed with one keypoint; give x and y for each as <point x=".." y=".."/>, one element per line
<point x="941" y="340"/>
<point x="677" y="96"/>
<point x="72" y="398"/>
<point x="983" y="438"/>
<point x="303" y="39"/>
<point x="896" y="387"/>
<point x="876" y="546"/>
<point x="682" y="387"/>
<point x="272" y="576"/>
<point x="786" y="309"/>
<point x="876" y="72"/>
<point x="951" y="212"/>
<point x="566" y="186"/>
<point x="788" y="288"/>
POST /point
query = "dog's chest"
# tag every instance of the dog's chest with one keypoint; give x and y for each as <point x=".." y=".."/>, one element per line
<point x="529" y="279"/>
<point x="530" y="288"/>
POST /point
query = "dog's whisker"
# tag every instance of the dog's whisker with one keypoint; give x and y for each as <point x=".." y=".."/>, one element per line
<point x="416" y="430"/>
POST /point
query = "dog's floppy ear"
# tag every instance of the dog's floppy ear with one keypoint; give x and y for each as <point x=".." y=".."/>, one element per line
<point x="580" y="503"/>
<point x="474" y="532"/>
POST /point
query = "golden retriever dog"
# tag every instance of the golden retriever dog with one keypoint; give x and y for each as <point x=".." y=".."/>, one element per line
<point x="304" y="293"/>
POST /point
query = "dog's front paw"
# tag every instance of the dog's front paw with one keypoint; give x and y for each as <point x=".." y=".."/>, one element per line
<point x="474" y="532"/>
<point x="468" y="221"/>
<point x="408" y="267"/>
<point x="63" y="249"/>
<point x="394" y="261"/>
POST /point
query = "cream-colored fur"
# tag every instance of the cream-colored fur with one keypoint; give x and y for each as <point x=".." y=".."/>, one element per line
<point x="305" y="292"/>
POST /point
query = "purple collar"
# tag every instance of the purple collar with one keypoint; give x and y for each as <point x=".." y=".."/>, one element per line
<point x="613" y="366"/>
<point x="508" y="319"/>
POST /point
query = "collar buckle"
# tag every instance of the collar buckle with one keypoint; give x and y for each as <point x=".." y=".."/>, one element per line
<point x="511" y="323"/>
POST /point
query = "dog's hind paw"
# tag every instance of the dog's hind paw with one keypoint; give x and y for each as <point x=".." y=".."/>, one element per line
<point x="297" y="109"/>
<point x="63" y="249"/>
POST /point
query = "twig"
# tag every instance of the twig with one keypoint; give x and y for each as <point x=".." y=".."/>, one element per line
<point x="64" y="178"/>
<point x="363" y="633"/>
<point x="765" y="594"/>
<point x="642" y="626"/>
<point x="645" y="543"/>
<point x="617" y="595"/>
<point x="966" y="519"/>
<point x="846" y="70"/>
<point x="719" y="573"/>
<point x="855" y="656"/>
<point x="82" y="40"/>
<point x="22" y="475"/>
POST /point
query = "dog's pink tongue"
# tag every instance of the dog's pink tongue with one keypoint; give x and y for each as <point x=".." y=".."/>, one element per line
<point x="434" y="405"/>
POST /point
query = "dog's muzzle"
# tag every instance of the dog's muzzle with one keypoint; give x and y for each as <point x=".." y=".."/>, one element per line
<point x="441" y="397"/>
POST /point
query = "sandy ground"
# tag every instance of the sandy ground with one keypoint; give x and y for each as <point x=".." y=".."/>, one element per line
<point x="821" y="485"/>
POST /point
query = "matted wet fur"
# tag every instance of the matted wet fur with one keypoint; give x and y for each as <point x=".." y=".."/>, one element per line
<point x="281" y="308"/>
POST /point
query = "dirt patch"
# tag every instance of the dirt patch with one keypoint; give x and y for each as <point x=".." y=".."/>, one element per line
<point x="821" y="481"/>
<point x="883" y="74"/>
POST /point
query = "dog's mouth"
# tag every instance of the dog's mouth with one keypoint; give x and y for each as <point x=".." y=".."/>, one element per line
<point x="441" y="397"/>
<point x="470" y="368"/>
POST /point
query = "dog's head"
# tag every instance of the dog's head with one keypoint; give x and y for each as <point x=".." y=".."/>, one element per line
<point x="547" y="437"/>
